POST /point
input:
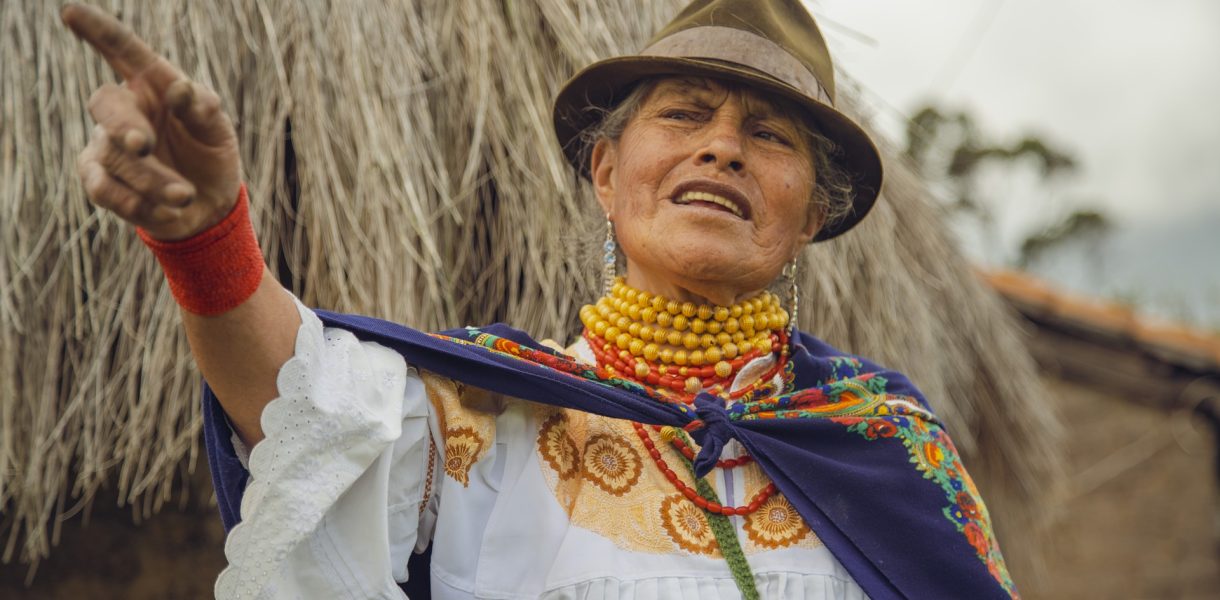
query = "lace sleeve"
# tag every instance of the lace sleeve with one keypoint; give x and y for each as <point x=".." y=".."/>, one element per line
<point x="331" y="509"/>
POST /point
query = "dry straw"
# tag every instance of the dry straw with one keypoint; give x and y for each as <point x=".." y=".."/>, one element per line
<point x="401" y="164"/>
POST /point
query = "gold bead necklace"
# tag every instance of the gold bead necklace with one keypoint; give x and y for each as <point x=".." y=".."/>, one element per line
<point x="670" y="336"/>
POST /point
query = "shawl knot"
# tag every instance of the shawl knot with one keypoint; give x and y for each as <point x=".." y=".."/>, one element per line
<point x="712" y="430"/>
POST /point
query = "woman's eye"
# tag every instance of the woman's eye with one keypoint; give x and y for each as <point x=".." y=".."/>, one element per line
<point x="678" y="115"/>
<point x="771" y="136"/>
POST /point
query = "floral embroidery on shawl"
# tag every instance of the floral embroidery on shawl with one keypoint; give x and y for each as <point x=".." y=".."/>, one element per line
<point x="893" y="563"/>
<point x="932" y="453"/>
<point x="858" y="400"/>
<point x="575" y="369"/>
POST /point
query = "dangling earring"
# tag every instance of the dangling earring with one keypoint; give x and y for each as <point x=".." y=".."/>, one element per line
<point x="609" y="259"/>
<point x="794" y="292"/>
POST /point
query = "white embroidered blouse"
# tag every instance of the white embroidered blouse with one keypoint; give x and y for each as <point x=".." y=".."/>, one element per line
<point x="366" y="460"/>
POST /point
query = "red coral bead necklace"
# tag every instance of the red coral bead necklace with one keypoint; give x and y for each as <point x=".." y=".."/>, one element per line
<point x="755" y="503"/>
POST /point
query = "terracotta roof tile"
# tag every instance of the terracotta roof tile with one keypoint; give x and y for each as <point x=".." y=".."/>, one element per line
<point x="1173" y="342"/>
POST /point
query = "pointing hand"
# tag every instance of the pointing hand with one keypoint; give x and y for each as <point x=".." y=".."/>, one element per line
<point x="163" y="156"/>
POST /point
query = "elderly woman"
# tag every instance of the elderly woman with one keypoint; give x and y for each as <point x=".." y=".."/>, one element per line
<point x="690" y="444"/>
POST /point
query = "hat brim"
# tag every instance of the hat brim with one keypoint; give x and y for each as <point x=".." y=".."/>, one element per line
<point x="582" y="100"/>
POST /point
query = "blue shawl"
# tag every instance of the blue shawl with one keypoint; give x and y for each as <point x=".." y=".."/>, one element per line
<point x="854" y="448"/>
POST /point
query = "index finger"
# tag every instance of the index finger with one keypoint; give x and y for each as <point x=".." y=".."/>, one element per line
<point x="126" y="52"/>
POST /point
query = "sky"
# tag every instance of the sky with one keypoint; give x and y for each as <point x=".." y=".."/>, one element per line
<point x="1130" y="87"/>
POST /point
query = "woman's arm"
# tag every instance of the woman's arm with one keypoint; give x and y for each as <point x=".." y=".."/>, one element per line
<point x="240" y="352"/>
<point x="164" y="157"/>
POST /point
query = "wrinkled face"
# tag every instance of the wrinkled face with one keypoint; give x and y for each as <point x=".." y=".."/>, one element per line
<point x="709" y="188"/>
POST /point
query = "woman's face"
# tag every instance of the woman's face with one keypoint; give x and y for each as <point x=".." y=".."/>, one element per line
<point x="709" y="188"/>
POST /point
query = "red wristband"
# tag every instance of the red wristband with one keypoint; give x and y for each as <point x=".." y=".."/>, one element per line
<point x="216" y="269"/>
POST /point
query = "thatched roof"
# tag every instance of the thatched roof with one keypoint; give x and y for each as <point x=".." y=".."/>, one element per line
<point x="401" y="164"/>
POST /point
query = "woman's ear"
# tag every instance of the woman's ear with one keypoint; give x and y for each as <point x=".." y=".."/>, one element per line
<point x="814" y="223"/>
<point x="602" y="162"/>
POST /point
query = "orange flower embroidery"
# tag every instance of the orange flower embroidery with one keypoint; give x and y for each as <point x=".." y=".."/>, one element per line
<point x="933" y="454"/>
<point x="462" y="448"/>
<point x="611" y="463"/>
<point x="557" y="447"/>
<point x="775" y="524"/>
<point x="976" y="537"/>
<point x="687" y="526"/>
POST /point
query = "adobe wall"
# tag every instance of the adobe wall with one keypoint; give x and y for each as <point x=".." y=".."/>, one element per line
<point x="1142" y="521"/>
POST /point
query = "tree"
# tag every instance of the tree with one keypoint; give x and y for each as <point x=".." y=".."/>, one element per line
<point x="952" y="154"/>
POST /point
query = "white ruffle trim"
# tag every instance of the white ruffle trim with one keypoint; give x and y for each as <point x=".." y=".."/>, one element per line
<point x="323" y="432"/>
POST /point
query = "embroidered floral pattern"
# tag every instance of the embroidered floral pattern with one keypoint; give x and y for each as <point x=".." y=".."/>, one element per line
<point x="934" y="455"/>
<point x="775" y="524"/>
<point x="610" y="462"/>
<point x="558" y="362"/>
<point x="557" y="447"/>
<point x="687" y="526"/>
<point x="863" y="403"/>
<point x="860" y="401"/>
<point x="466" y="431"/>
<point x="631" y="520"/>
<point x="462" y="448"/>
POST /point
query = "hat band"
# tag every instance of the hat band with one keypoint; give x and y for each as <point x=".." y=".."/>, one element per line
<point x="742" y="47"/>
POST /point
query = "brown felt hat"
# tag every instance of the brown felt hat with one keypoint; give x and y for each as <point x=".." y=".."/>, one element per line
<point x="769" y="45"/>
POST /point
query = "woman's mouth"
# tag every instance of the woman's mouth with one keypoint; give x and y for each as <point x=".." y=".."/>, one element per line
<point x="710" y="200"/>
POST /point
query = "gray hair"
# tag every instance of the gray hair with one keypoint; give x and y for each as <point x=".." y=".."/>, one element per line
<point x="833" y="192"/>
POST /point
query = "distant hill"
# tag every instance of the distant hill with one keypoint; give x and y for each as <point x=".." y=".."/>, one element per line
<point x="1169" y="270"/>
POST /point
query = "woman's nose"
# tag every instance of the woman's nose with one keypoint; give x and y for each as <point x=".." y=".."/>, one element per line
<point x="723" y="148"/>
